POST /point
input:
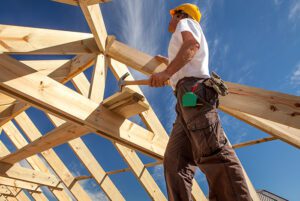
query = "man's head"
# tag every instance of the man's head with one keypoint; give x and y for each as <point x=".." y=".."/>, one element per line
<point x="186" y="10"/>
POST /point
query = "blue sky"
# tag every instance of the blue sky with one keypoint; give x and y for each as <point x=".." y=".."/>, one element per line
<point x="255" y="43"/>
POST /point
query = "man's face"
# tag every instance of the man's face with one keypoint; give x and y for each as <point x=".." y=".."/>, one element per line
<point x="174" y="21"/>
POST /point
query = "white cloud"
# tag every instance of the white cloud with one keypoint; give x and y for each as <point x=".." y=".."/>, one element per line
<point x="277" y="2"/>
<point x="295" y="78"/>
<point x="294" y="13"/>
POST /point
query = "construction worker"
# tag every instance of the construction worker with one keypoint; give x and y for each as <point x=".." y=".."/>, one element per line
<point x="197" y="138"/>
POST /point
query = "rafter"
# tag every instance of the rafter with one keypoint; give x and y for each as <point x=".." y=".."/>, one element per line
<point x="65" y="103"/>
<point x="26" y="40"/>
<point x="83" y="153"/>
<point x="93" y="16"/>
<point x="10" y="107"/>
<point x="19" y="141"/>
<point x="287" y="134"/>
<point x="19" y="184"/>
<point x="253" y="142"/>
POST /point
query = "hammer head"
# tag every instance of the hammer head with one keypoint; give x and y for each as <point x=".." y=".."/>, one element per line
<point x="121" y="81"/>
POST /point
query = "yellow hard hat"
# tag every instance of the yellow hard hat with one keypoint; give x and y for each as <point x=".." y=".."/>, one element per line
<point x="191" y="9"/>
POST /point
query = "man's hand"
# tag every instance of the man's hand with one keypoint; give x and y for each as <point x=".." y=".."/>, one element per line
<point x="159" y="79"/>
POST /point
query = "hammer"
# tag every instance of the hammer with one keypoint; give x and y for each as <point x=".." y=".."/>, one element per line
<point x="122" y="82"/>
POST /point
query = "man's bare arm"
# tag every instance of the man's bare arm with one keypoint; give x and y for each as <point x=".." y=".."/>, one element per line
<point x="186" y="53"/>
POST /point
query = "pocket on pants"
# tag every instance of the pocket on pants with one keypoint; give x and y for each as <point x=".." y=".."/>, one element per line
<point x="207" y="134"/>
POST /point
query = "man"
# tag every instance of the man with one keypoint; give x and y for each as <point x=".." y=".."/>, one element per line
<point x="197" y="138"/>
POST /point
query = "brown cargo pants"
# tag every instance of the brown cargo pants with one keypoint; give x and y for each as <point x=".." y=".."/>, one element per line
<point x="198" y="139"/>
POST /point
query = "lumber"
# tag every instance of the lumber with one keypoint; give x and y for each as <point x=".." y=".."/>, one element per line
<point x="31" y="131"/>
<point x="33" y="176"/>
<point x="253" y="142"/>
<point x="93" y="16"/>
<point x="67" y="104"/>
<point x="141" y="172"/>
<point x="4" y="190"/>
<point x="19" y="141"/>
<point x="21" y="194"/>
<point x="279" y="107"/>
<point x="96" y="90"/>
<point x="62" y="74"/>
<point x="126" y="103"/>
<point x="285" y="133"/>
<point x="75" y="2"/>
<point x="26" y="40"/>
<point x="90" y="162"/>
<point x="19" y="184"/>
<point x="81" y="78"/>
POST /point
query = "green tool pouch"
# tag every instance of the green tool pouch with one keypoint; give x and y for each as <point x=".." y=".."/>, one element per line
<point x="217" y="84"/>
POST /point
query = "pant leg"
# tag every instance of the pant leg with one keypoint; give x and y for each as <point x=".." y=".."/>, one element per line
<point x="179" y="167"/>
<point x="211" y="152"/>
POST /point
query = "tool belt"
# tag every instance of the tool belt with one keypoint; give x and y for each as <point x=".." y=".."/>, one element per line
<point x="191" y="99"/>
<point x="217" y="84"/>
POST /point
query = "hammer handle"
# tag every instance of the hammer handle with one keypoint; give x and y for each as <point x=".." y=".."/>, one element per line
<point x="137" y="82"/>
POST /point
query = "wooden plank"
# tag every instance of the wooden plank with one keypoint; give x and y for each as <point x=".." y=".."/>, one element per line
<point x="136" y="59"/>
<point x="274" y="106"/>
<point x="269" y="105"/>
<point x="81" y="78"/>
<point x="31" y="131"/>
<point x="149" y="117"/>
<point x="21" y="195"/>
<point x="126" y="103"/>
<point x="253" y="142"/>
<point x="92" y="165"/>
<point x="88" y="2"/>
<point x="26" y="40"/>
<point x="19" y="141"/>
<point x="93" y="16"/>
<point x="62" y="74"/>
<point x="96" y="91"/>
<point x="19" y="184"/>
<point x="67" y="104"/>
<point x="141" y="172"/>
<point x="33" y="176"/>
<point x="285" y="133"/>
<point x="4" y="190"/>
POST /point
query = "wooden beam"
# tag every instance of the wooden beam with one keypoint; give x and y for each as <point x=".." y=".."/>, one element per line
<point x="140" y="171"/>
<point x="81" y="78"/>
<point x="37" y="196"/>
<point x="4" y="190"/>
<point x="126" y="103"/>
<point x="31" y="131"/>
<point x="19" y="184"/>
<point x="25" y="174"/>
<point x="19" y="141"/>
<point x="134" y="58"/>
<point x="93" y="16"/>
<point x="90" y="162"/>
<point x="65" y="103"/>
<point x="285" y="133"/>
<point x="274" y="106"/>
<point x="10" y="107"/>
<point x="88" y="2"/>
<point x="253" y="142"/>
<point x="96" y="91"/>
<point x="26" y="40"/>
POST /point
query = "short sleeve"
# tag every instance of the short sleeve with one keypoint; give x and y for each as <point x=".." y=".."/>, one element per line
<point x="190" y="26"/>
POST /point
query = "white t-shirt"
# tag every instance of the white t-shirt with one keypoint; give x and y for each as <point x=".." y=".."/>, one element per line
<point x="198" y="66"/>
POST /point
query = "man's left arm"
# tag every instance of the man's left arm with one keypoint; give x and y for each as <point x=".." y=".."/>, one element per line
<point x="189" y="48"/>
